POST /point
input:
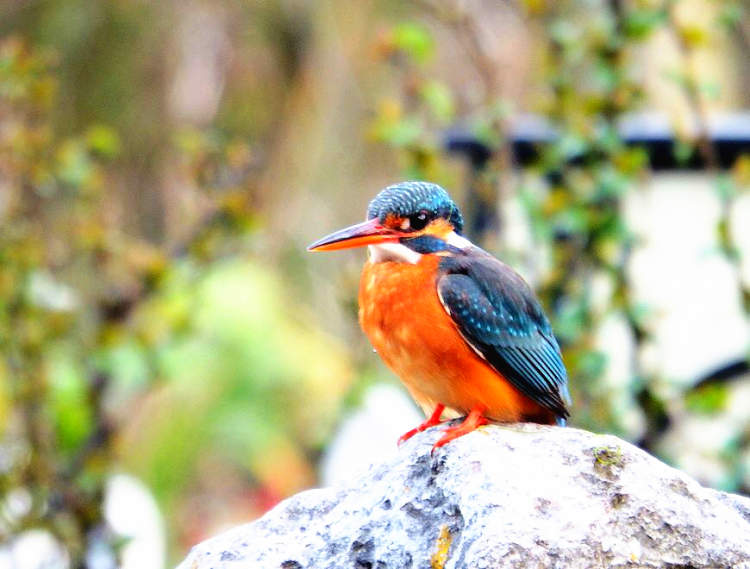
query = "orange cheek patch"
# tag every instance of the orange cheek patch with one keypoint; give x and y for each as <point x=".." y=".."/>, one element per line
<point x="438" y="228"/>
<point x="394" y="221"/>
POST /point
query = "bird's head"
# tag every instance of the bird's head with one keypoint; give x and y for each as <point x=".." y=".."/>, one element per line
<point x="404" y="221"/>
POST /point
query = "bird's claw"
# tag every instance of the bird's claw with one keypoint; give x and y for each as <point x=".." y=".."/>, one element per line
<point x="431" y="421"/>
<point x="407" y="435"/>
<point x="474" y="419"/>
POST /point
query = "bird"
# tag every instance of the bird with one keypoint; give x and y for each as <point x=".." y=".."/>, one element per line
<point x="460" y="328"/>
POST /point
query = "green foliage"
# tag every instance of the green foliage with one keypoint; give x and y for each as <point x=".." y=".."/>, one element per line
<point x="121" y="352"/>
<point x="412" y="40"/>
<point x="245" y="373"/>
<point x="707" y="400"/>
<point x="640" y="23"/>
<point x="69" y="405"/>
<point x="51" y="187"/>
<point x="439" y="99"/>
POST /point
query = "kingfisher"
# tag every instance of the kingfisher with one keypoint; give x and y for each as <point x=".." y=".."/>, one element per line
<point x="460" y="328"/>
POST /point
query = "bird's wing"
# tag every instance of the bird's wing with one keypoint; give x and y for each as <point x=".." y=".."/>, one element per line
<point x="499" y="317"/>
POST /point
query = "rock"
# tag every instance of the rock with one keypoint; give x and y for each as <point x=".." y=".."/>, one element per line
<point x="517" y="496"/>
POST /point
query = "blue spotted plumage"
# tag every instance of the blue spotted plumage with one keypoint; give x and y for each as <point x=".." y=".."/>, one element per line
<point x="498" y="315"/>
<point x="407" y="198"/>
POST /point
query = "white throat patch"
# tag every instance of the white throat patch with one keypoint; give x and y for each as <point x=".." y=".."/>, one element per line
<point x="393" y="252"/>
<point x="455" y="240"/>
<point x="396" y="252"/>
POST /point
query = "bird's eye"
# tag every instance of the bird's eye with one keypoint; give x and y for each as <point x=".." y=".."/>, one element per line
<point x="419" y="220"/>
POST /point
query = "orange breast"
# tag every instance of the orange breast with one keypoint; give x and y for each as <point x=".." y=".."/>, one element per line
<point x="400" y="312"/>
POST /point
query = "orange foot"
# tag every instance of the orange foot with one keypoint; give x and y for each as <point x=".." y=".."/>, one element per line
<point x="433" y="420"/>
<point x="474" y="419"/>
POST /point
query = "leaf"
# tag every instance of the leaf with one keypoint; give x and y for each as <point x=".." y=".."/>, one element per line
<point x="74" y="165"/>
<point x="730" y="14"/>
<point x="69" y="401"/>
<point x="708" y="399"/>
<point x="592" y="363"/>
<point x="439" y="99"/>
<point x="693" y="35"/>
<point x="414" y="40"/>
<point x="726" y="189"/>
<point x="640" y="23"/>
<point x="392" y="127"/>
<point x="564" y="32"/>
<point x="103" y="140"/>
<point x="710" y="89"/>
<point x="683" y="151"/>
<point x="5" y="397"/>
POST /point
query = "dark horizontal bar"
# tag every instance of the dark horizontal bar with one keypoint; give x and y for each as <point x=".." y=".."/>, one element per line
<point x="729" y="135"/>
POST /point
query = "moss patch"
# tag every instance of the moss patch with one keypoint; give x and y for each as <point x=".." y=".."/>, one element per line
<point x="608" y="461"/>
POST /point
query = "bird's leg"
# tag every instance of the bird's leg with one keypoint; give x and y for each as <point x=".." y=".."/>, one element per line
<point x="474" y="419"/>
<point x="431" y="421"/>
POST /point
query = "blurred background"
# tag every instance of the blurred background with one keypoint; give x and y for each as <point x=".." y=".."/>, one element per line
<point x="175" y="363"/>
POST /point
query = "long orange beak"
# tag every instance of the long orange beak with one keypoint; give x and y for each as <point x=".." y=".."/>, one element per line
<point x="366" y="233"/>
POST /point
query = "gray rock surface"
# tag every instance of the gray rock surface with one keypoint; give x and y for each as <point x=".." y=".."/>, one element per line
<point x="517" y="496"/>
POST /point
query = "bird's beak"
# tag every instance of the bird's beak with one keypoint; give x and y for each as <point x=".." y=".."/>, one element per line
<point x="369" y="232"/>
